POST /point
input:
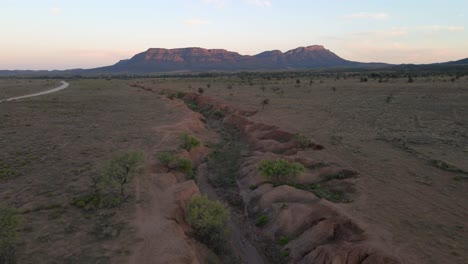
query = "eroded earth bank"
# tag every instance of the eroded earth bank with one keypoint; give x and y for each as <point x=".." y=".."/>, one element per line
<point x="301" y="220"/>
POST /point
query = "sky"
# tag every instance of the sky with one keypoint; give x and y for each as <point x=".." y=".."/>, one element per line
<point x="68" y="34"/>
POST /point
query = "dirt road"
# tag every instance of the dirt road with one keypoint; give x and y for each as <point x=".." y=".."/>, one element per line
<point x="61" y="87"/>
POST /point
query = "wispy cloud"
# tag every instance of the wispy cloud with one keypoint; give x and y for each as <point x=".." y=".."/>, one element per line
<point x="438" y="28"/>
<point x="55" y="10"/>
<point x="196" y="22"/>
<point x="260" y="3"/>
<point x="388" y="33"/>
<point x="366" y="15"/>
<point x="216" y="3"/>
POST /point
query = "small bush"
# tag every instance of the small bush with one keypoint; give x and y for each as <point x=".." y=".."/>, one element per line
<point x="89" y="201"/>
<point x="218" y="114"/>
<point x="180" y="95"/>
<point x="280" y="171"/>
<point x="209" y="220"/>
<point x="201" y="90"/>
<point x="189" y="142"/>
<point x="9" y="222"/>
<point x="167" y="160"/>
<point x="184" y="165"/>
<point x="283" y="240"/>
<point x="262" y="221"/>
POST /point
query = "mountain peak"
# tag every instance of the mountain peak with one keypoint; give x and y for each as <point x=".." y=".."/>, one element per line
<point x="200" y="59"/>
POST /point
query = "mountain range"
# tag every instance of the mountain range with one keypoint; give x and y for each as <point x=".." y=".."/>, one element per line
<point x="157" y="60"/>
<point x="199" y="59"/>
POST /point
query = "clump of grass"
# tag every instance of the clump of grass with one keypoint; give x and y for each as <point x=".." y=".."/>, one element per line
<point x="261" y="221"/>
<point x="303" y="141"/>
<point x="283" y="240"/>
<point x="323" y="191"/>
<point x="88" y="201"/>
<point x="189" y="142"/>
<point x="7" y="174"/>
<point x="446" y="166"/>
<point x="9" y="223"/>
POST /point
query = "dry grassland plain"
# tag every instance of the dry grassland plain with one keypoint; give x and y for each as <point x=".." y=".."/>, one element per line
<point x="407" y="141"/>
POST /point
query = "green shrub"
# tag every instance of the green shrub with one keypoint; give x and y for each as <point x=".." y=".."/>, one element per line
<point x="209" y="220"/>
<point x="166" y="159"/>
<point x="89" y="201"/>
<point x="218" y="114"/>
<point x="189" y="142"/>
<point x="184" y="165"/>
<point x="262" y="221"/>
<point x="9" y="222"/>
<point x="121" y="169"/>
<point x="180" y="95"/>
<point x="280" y="171"/>
<point x="7" y="174"/>
<point x="283" y="240"/>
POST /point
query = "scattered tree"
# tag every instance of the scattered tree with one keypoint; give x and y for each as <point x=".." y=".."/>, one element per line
<point x="121" y="169"/>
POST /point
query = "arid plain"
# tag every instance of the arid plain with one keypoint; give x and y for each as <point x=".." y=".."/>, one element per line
<point x="407" y="143"/>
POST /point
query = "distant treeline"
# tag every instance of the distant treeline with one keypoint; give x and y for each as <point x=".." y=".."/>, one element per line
<point x="399" y="71"/>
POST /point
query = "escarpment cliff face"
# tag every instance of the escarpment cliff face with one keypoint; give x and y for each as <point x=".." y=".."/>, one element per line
<point x="199" y="59"/>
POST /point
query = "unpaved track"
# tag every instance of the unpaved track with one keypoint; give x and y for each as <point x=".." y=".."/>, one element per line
<point x="61" y="87"/>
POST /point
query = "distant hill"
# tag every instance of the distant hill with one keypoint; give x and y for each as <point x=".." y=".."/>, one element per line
<point x="458" y="62"/>
<point x="199" y="59"/>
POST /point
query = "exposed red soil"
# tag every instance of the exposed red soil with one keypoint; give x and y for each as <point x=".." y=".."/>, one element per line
<point x="319" y="231"/>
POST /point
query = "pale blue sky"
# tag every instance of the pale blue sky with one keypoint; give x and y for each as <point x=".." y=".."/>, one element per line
<point x="62" y="34"/>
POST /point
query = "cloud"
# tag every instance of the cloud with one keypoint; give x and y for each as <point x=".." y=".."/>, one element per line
<point x="365" y="15"/>
<point x="437" y="28"/>
<point x="216" y="3"/>
<point x="196" y="22"/>
<point x="55" y="10"/>
<point x="260" y="3"/>
<point x="389" y="33"/>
